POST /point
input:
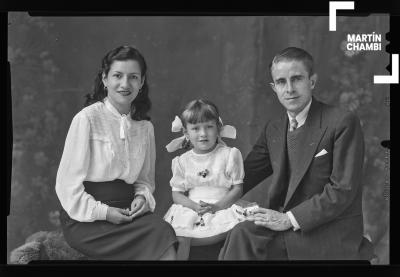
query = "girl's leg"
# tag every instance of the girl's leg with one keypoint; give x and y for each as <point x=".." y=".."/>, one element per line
<point x="183" y="248"/>
<point x="169" y="255"/>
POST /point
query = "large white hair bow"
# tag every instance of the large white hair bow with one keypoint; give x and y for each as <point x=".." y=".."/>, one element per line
<point x="227" y="131"/>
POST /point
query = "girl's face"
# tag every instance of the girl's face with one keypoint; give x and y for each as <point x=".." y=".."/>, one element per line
<point x="123" y="82"/>
<point x="203" y="136"/>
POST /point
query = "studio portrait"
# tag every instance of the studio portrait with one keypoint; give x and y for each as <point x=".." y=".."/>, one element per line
<point x="198" y="137"/>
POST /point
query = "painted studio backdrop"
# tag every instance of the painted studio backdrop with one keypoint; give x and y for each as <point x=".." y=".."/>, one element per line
<point x="225" y="59"/>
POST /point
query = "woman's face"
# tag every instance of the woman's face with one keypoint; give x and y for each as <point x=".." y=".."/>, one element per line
<point x="123" y="82"/>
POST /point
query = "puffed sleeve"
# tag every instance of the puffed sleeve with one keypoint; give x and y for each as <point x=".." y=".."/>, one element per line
<point x="177" y="181"/>
<point x="72" y="171"/>
<point x="234" y="167"/>
<point x="145" y="183"/>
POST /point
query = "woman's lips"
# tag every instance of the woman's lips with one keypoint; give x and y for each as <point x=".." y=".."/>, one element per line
<point x="125" y="92"/>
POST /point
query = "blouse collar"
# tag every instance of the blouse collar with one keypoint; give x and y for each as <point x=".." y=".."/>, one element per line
<point x="113" y="110"/>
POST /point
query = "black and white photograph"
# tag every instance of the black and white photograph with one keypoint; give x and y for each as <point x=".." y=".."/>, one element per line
<point x="199" y="138"/>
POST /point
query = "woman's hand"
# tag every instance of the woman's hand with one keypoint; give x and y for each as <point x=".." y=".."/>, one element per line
<point x="139" y="206"/>
<point x="118" y="216"/>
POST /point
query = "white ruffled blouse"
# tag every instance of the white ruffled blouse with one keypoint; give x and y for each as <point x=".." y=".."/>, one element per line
<point x="103" y="145"/>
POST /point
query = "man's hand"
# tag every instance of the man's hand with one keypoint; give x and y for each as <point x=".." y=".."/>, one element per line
<point x="270" y="219"/>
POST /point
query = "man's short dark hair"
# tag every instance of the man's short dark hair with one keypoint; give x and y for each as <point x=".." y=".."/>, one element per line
<point x="294" y="54"/>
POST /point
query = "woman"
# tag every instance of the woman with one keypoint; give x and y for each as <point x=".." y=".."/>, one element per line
<point x="105" y="179"/>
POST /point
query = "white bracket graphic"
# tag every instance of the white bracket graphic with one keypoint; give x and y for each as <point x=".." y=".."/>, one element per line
<point x="390" y="79"/>
<point x="336" y="5"/>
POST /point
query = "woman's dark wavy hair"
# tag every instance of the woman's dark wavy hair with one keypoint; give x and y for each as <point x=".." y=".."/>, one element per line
<point x="142" y="104"/>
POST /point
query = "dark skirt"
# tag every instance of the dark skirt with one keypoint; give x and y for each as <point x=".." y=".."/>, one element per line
<point x="145" y="238"/>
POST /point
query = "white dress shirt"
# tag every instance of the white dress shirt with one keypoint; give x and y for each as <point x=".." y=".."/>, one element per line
<point x="103" y="145"/>
<point x="301" y="119"/>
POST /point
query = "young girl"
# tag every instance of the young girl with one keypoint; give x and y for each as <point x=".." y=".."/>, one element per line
<point x="206" y="181"/>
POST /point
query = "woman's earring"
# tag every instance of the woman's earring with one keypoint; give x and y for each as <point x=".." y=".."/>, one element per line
<point x="133" y="108"/>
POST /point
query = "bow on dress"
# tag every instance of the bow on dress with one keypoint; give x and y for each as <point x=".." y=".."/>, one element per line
<point x="227" y="131"/>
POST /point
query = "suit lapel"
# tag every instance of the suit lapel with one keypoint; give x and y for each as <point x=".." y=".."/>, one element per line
<point x="313" y="134"/>
<point x="278" y="152"/>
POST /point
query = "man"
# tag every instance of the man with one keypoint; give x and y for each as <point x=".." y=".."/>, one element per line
<point x="315" y="154"/>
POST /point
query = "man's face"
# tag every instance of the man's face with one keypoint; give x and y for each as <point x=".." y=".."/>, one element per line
<point x="292" y="85"/>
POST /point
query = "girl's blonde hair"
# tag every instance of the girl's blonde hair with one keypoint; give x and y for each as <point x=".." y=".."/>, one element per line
<point x="198" y="111"/>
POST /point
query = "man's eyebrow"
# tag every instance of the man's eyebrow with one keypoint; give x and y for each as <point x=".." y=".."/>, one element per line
<point x="297" y="75"/>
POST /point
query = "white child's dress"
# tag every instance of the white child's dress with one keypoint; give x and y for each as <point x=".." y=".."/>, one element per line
<point x="207" y="177"/>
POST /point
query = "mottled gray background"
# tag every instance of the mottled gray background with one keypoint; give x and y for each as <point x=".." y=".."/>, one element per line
<point x="224" y="58"/>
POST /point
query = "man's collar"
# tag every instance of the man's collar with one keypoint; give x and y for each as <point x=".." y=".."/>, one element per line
<point x="301" y="116"/>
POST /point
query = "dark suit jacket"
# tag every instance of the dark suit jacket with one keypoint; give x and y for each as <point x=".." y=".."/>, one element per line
<point x="326" y="194"/>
